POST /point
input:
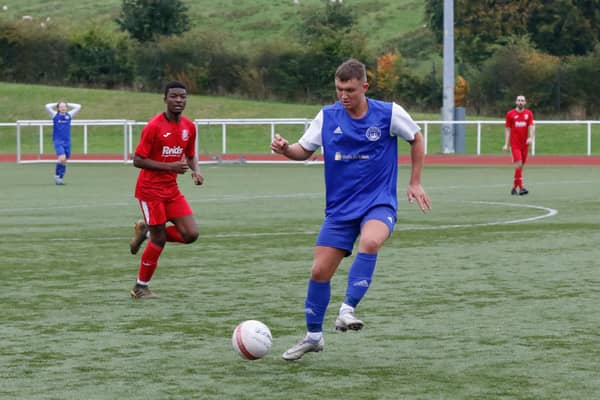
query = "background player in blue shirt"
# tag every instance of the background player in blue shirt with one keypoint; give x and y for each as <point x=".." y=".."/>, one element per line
<point x="61" y="134"/>
<point x="359" y="140"/>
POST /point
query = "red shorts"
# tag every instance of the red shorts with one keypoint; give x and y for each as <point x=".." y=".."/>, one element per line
<point x="160" y="211"/>
<point x="519" y="153"/>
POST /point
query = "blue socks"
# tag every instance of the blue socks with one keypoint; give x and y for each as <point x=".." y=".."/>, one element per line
<point x="359" y="278"/>
<point x="60" y="170"/>
<point x="319" y="293"/>
<point x="316" y="304"/>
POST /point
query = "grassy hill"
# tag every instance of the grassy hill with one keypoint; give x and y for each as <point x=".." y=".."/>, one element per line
<point x="18" y="101"/>
<point x="246" y="22"/>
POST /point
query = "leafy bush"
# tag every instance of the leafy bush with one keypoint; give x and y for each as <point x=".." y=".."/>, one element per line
<point x="32" y="53"/>
<point x="100" y="59"/>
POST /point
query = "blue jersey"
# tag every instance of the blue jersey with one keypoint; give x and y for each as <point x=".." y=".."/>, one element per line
<point x="361" y="156"/>
<point x="62" y="128"/>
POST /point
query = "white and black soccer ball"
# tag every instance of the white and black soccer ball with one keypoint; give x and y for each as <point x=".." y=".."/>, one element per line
<point x="251" y="339"/>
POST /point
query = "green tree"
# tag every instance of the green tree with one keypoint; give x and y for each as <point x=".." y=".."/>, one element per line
<point x="565" y="27"/>
<point x="562" y="29"/>
<point x="146" y="20"/>
<point x="581" y="85"/>
<point x="32" y="53"/>
<point x="330" y="37"/>
<point x="512" y="69"/>
<point x="479" y="26"/>
<point x="98" y="58"/>
<point x="336" y="18"/>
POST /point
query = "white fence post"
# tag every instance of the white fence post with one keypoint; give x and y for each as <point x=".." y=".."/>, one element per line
<point x="478" y="138"/>
<point x="224" y="138"/>
<point x="41" y="139"/>
<point x="85" y="139"/>
<point x="589" y="138"/>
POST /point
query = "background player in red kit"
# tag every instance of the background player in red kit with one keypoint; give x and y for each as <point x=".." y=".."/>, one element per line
<point x="166" y="149"/>
<point x="520" y="129"/>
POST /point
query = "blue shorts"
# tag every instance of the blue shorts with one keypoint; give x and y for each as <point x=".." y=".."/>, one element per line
<point x="61" y="148"/>
<point x="343" y="234"/>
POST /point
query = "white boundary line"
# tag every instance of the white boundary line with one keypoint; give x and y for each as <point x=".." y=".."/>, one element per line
<point x="549" y="212"/>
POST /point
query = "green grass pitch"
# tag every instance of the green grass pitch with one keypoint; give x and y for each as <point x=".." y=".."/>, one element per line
<point x="489" y="296"/>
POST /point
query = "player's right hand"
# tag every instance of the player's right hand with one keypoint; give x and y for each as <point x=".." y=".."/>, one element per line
<point x="180" y="166"/>
<point x="279" y="144"/>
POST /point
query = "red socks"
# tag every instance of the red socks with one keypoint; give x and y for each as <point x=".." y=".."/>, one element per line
<point x="149" y="262"/>
<point x="150" y="256"/>
<point x="518" y="183"/>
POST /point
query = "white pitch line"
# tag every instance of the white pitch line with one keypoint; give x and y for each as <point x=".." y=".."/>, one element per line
<point x="243" y="197"/>
<point x="550" y="212"/>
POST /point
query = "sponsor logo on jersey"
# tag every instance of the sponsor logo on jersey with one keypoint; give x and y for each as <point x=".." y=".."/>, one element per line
<point x="338" y="131"/>
<point x="185" y="134"/>
<point x="166" y="134"/>
<point x="339" y="156"/>
<point x="520" y="124"/>
<point x="172" y="151"/>
<point x="373" y="133"/>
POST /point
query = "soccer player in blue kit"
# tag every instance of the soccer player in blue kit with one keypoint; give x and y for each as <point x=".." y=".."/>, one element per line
<point x="359" y="140"/>
<point x="61" y="135"/>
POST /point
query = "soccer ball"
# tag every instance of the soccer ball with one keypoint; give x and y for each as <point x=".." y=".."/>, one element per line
<point x="251" y="339"/>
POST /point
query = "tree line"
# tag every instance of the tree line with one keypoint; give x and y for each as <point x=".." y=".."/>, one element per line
<point x="502" y="49"/>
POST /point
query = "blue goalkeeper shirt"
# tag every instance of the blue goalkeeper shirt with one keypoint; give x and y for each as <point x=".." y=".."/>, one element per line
<point x="62" y="128"/>
<point x="361" y="156"/>
<point x="62" y="122"/>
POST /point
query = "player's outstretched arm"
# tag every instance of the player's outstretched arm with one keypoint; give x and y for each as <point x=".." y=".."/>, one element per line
<point x="295" y="151"/>
<point x="415" y="191"/>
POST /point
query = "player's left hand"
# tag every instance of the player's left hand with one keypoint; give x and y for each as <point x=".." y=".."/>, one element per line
<point x="417" y="193"/>
<point x="197" y="178"/>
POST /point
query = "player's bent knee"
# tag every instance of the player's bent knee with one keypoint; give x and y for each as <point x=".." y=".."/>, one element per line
<point x="190" y="237"/>
<point x="371" y="246"/>
<point x="321" y="274"/>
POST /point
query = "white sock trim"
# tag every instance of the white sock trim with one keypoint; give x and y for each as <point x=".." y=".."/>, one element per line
<point x="345" y="308"/>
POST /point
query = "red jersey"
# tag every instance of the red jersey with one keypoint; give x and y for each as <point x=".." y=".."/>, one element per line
<point x="519" y="123"/>
<point x="165" y="141"/>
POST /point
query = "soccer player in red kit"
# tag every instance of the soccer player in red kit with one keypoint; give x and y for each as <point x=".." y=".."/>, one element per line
<point x="520" y="129"/>
<point x="166" y="149"/>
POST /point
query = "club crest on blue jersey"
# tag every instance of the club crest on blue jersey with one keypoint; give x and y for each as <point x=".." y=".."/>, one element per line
<point x="185" y="135"/>
<point x="373" y="133"/>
